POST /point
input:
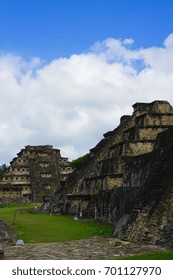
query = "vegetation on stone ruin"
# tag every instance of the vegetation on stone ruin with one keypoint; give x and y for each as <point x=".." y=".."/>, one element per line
<point x="43" y="228"/>
<point x="77" y="163"/>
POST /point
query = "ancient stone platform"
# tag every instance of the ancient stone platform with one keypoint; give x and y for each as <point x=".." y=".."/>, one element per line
<point x="94" y="248"/>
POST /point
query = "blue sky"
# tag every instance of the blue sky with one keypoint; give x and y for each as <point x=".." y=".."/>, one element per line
<point x="70" y="69"/>
<point x="55" y="28"/>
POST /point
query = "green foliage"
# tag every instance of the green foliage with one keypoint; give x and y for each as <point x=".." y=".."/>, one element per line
<point x="77" y="163"/>
<point x="3" y="167"/>
<point x="42" y="228"/>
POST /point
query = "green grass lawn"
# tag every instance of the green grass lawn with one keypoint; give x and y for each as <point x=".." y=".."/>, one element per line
<point x="42" y="228"/>
<point x="153" y="256"/>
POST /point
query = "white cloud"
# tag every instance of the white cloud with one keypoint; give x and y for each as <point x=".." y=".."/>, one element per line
<point x="128" y="41"/>
<point x="71" y="102"/>
<point x="169" y="41"/>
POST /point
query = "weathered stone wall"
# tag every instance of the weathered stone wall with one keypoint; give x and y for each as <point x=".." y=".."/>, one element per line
<point x="138" y="147"/>
<point x="11" y="196"/>
<point x="150" y="218"/>
<point x="154" y="119"/>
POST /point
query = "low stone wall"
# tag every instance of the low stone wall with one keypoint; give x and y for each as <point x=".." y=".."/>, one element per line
<point x="11" y="198"/>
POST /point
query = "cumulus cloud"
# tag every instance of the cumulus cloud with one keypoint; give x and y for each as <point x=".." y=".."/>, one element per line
<point x="71" y="102"/>
<point x="169" y="41"/>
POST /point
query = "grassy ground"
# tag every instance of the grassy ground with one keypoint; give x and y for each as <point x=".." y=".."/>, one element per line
<point x="42" y="228"/>
<point x="153" y="256"/>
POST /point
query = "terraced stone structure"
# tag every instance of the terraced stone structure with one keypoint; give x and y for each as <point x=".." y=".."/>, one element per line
<point x="33" y="175"/>
<point x="112" y="183"/>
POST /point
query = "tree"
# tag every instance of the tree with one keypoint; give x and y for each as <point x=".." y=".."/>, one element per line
<point x="3" y="167"/>
<point x="77" y="163"/>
